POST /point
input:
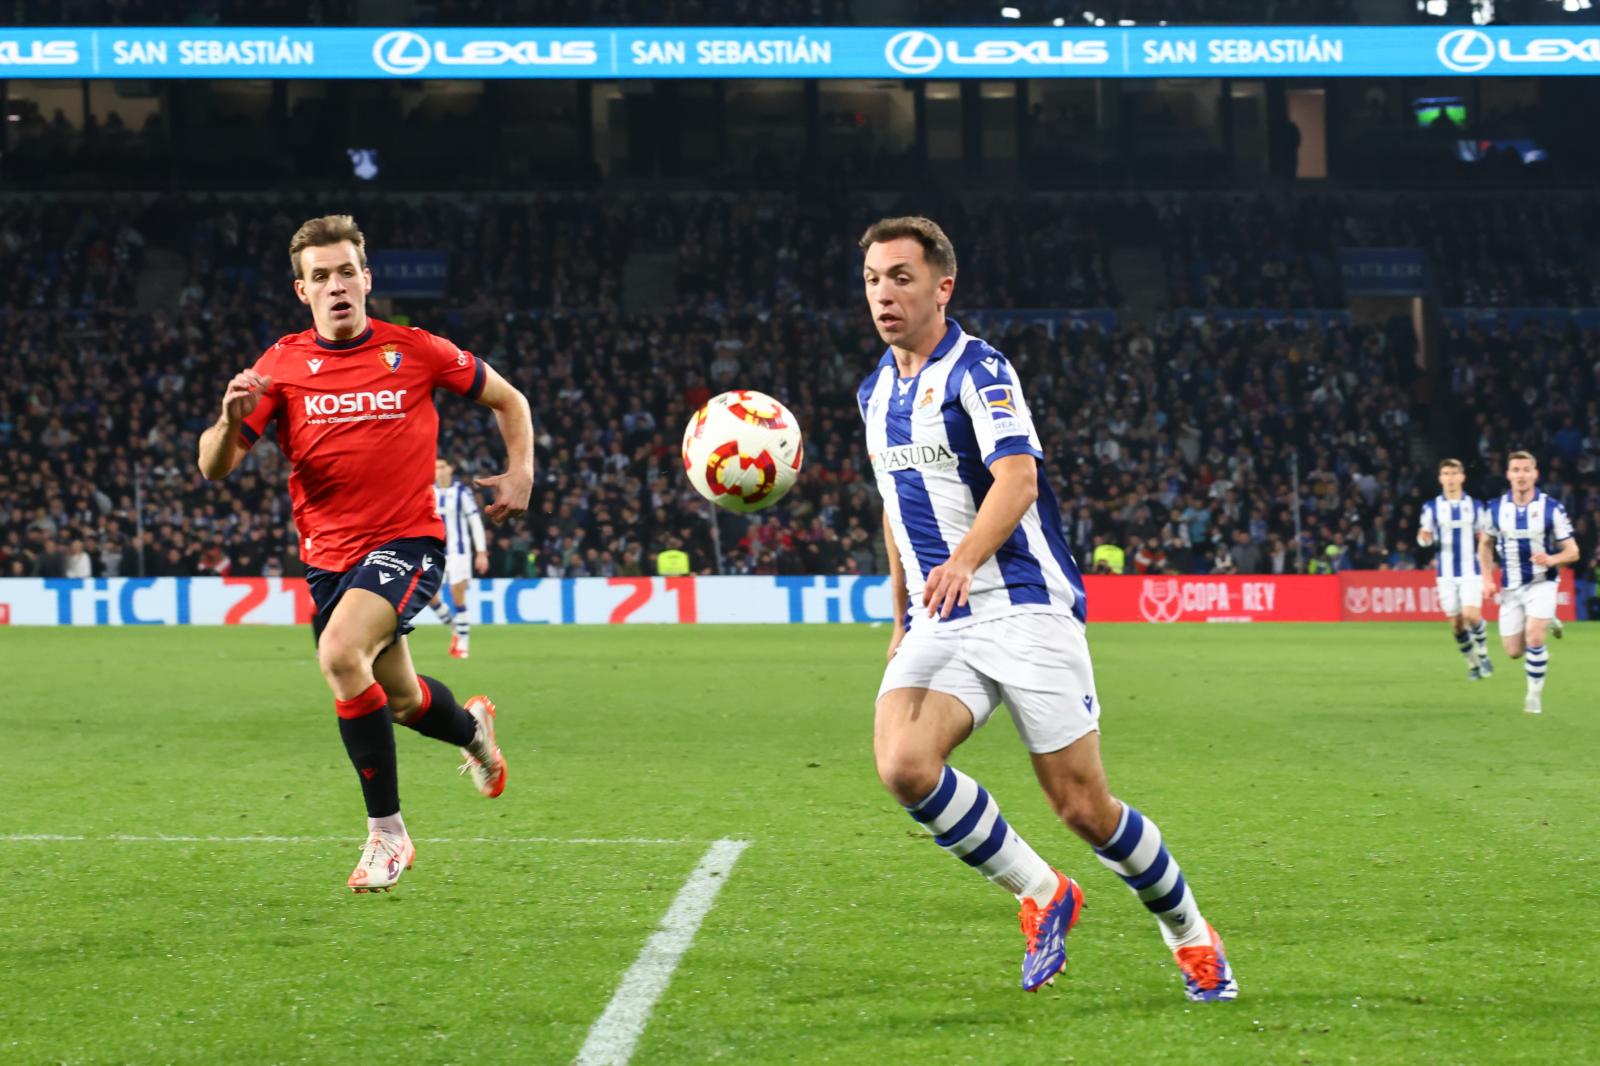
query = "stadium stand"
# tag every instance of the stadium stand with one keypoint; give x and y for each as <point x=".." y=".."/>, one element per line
<point x="1179" y="443"/>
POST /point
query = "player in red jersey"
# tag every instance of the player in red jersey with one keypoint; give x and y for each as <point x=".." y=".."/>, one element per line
<point x="353" y="403"/>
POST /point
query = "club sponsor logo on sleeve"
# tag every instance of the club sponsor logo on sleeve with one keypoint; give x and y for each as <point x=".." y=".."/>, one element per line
<point x="1001" y="400"/>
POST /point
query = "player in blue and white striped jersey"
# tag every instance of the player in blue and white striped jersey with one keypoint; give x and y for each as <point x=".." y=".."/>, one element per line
<point x="975" y="541"/>
<point x="1533" y="534"/>
<point x="1454" y="521"/>
<point x="466" y="550"/>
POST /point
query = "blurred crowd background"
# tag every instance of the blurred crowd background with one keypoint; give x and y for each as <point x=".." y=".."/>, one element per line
<point x="1211" y="397"/>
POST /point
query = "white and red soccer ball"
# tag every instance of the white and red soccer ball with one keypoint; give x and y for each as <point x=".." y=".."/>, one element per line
<point x="742" y="450"/>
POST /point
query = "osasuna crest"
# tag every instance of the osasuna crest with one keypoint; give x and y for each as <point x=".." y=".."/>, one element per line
<point x="390" y="357"/>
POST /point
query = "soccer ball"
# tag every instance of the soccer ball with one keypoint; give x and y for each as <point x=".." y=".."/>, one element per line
<point x="742" y="450"/>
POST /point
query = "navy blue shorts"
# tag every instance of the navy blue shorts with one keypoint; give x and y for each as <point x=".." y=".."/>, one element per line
<point x="405" y="572"/>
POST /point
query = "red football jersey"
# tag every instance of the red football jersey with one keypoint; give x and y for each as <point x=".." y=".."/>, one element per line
<point x="357" y="423"/>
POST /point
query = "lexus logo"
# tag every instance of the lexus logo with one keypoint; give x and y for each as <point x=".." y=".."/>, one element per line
<point x="1467" y="51"/>
<point x="403" y="52"/>
<point x="913" y="52"/>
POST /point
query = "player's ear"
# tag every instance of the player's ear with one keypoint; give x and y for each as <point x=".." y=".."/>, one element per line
<point x="366" y="281"/>
<point x="300" y="290"/>
<point x="947" y="286"/>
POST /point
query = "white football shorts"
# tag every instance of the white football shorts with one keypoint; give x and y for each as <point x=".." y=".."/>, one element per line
<point x="1458" y="592"/>
<point x="457" y="568"/>
<point x="1536" y="600"/>
<point x="1037" y="664"/>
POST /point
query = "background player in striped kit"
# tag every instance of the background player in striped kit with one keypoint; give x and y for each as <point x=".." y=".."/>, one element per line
<point x="466" y="551"/>
<point x="974" y="534"/>
<point x="1453" y="520"/>
<point x="1534" y="538"/>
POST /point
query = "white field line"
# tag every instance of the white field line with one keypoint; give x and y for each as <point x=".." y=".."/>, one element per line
<point x="128" y="838"/>
<point x="615" y="1033"/>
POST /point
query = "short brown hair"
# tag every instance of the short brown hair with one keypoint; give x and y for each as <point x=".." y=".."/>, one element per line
<point x="936" y="247"/>
<point x="1451" y="464"/>
<point x="329" y="229"/>
<point x="1522" y="455"/>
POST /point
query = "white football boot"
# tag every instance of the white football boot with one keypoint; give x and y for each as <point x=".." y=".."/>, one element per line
<point x="385" y="857"/>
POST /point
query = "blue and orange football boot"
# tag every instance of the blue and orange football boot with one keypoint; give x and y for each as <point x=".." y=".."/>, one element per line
<point x="1207" y="977"/>
<point x="1046" y="929"/>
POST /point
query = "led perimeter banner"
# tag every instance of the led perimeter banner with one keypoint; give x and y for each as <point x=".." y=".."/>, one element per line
<point x="798" y="52"/>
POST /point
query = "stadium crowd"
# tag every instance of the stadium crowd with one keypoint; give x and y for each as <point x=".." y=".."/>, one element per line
<point x="1175" y="448"/>
<point x="1277" y="251"/>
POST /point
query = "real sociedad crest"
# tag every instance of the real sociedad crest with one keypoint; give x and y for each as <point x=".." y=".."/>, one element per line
<point x="390" y="357"/>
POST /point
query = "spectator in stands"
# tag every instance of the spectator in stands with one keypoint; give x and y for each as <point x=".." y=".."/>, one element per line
<point x="50" y="561"/>
<point x="674" y="561"/>
<point x="1244" y="553"/>
<point x="77" y="562"/>
<point x="1107" y="557"/>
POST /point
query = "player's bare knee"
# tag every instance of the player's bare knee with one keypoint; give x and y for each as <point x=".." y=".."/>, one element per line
<point x="1088" y="810"/>
<point x="909" y="777"/>
<point x="340" y="662"/>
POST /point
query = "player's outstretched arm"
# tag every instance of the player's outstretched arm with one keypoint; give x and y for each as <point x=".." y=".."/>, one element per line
<point x="1016" y="487"/>
<point x="512" y="488"/>
<point x="899" y="595"/>
<point x="220" y="452"/>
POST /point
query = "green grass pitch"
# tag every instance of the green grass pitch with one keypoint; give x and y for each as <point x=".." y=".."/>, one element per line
<point x="1404" y="864"/>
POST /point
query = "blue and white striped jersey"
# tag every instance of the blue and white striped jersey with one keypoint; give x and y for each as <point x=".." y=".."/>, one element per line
<point x="463" y="525"/>
<point x="1455" y="525"/>
<point x="1522" y="529"/>
<point x="930" y="439"/>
